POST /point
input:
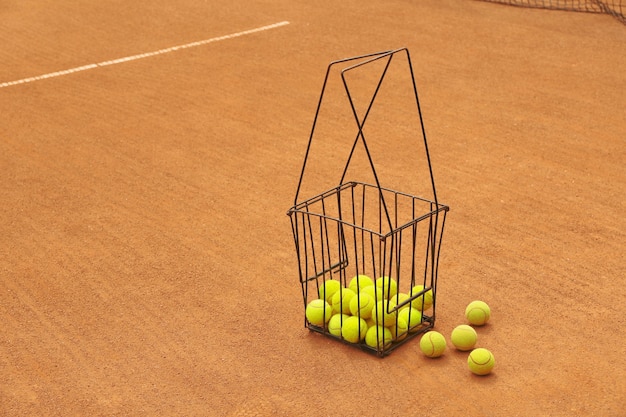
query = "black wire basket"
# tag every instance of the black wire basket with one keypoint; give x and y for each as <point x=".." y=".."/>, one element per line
<point x="368" y="255"/>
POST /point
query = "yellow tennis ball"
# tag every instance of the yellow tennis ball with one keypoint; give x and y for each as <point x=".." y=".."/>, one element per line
<point x="341" y="300"/>
<point x="399" y="329"/>
<point x="412" y="317"/>
<point x="382" y="314"/>
<point x="360" y="281"/>
<point x="388" y="286"/>
<point x="318" y="312"/>
<point x="335" y="323"/>
<point x="481" y="361"/>
<point x="354" y="329"/>
<point x="464" y="337"/>
<point x="433" y="344"/>
<point x="423" y="302"/>
<point x="328" y="289"/>
<point x="378" y="337"/>
<point x="372" y="291"/>
<point x="398" y="299"/>
<point x="478" y="313"/>
<point x="361" y="305"/>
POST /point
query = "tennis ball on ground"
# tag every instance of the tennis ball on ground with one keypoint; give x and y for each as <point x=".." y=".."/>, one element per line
<point x="399" y="329"/>
<point x="378" y="337"/>
<point x="424" y="302"/>
<point x="360" y="281"/>
<point x="388" y="286"/>
<point x="433" y="344"/>
<point x="381" y="315"/>
<point x="318" y="312"/>
<point x="464" y="337"/>
<point x="362" y="305"/>
<point x="412" y="317"/>
<point x="354" y="329"/>
<point x="478" y="313"/>
<point x="341" y="300"/>
<point x="328" y="289"/>
<point x="398" y="299"/>
<point x="335" y="323"/>
<point x="481" y="361"/>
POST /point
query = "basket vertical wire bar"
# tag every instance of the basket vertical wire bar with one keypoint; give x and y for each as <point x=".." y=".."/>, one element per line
<point x="305" y="282"/>
<point x="340" y="243"/>
<point x="295" y="230"/>
<point x="436" y="271"/>
<point x="312" y="246"/>
<point x="414" y="243"/>
<point x="354" y="239"/>
<point x="327" y="253"/>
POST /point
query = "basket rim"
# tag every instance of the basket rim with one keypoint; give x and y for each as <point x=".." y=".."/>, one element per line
<point x="302" y="207"/>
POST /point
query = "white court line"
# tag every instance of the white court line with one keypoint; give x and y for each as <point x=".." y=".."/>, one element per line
<point x="141" y="56"/>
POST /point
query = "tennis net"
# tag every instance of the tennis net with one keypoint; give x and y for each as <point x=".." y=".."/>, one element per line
<point x="615" y="8"/>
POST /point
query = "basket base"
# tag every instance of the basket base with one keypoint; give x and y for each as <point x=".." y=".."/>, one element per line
<point x="427" y="324"/>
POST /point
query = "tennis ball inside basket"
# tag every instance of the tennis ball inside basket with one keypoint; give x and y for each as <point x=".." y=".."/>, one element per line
<point x="398" y="299"/>
<point x="433" y="344"/>
<point x="354" y="329"/>
<point x="387" y="286"/>
<point x="360" y="281"/>
<point x="423" y="302"/>
<point x="373" y="292"/>
<point x="361" y="305"/>
<point x="382" y="315"/>
<point x="464" y="337"/>
<point x="341" y="300"/>
<point x="328" y="289"/>
<point x="412" y="317"/>
<point x="399" y="329"/>
<point x="478" y="313"/>
<point x="378" y="337"/>
<point x="335" y="323"/>
<point x="318" y="312"/>
<point x="481" y="361"/>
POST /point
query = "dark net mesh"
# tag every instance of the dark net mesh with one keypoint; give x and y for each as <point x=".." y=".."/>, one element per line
<point x="615" y="8"/>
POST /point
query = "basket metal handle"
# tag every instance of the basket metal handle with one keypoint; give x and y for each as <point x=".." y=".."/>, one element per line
<point x="364" y="60"/>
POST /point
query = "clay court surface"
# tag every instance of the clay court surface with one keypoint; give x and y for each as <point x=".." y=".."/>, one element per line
<point x="147" y="265"/>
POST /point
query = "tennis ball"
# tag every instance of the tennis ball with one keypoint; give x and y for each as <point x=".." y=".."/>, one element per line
<point x="341" y="300"/>
<point x="464" y="337"/>
<point x="424" y="302"/>
<point x="378" y="337"/>
<point x="381" y="315"/>
<point x="361" y="305"/>
<point x="481" y="361"/>
<point x="328" y="289"/>
<point x="318" y="312"/>
<point x="412" y="317"/>
<point x="360" y="281"/>
<point x="387" y="286"/>
<point x="433" y="344"/>
<point x="373" y="292"/>
<point x="399" y="329"/>
<point x="478" y="313"/>
<point x="335" y="322"/>
<point x="398" y="299"/>
<point x="354" y="329"/>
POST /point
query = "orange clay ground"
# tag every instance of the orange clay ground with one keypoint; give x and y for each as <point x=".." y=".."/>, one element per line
<point x="147" y="265"/>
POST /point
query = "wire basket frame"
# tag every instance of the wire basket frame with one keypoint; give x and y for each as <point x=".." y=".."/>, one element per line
<point x="359" y="232"/>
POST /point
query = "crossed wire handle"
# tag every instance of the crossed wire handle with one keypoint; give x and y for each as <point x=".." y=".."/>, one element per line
<point x="360" y="122"/>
